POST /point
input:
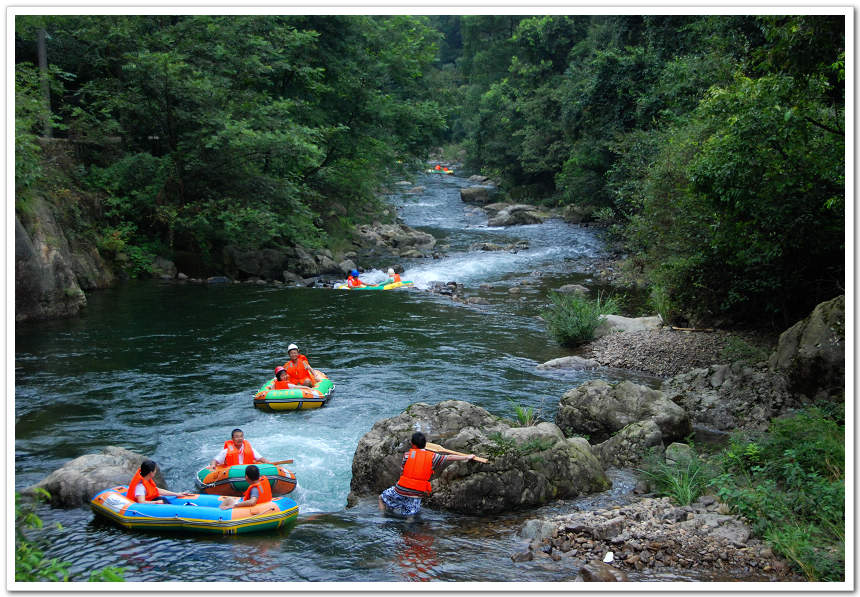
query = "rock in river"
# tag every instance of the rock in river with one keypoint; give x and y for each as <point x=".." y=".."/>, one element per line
<point x="529" y="466"/>
<point x="77" y="481"/>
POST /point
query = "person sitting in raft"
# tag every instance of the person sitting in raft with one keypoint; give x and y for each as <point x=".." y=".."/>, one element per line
<point x="352" y="280"/>
<point x="237" y="451"/>
<point x="404" y="497"/>
<point x="299" y="370"/>
<point x="281" y="381"/>
<point x="392" y="277"/>
<point x="142" y="488"/>
<point x="259" y="491"/>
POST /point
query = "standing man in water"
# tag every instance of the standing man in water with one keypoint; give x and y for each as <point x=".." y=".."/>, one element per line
<point x="404" y="497"/>
<point x="237" y="450"/>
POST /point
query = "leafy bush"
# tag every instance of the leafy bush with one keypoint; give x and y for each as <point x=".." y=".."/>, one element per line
<point x="571" y="319"/>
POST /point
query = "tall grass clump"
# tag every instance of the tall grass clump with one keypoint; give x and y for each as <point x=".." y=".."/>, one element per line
<point x="683" y="481"/>
<point x="571" y="319"/>
<point x="790" y="484"/>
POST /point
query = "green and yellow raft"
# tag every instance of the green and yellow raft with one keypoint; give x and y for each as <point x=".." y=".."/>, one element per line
<point x="268" y="398"/>
<point x="391" y="286"/>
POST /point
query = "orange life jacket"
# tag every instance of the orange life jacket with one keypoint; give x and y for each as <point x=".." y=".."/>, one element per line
<point x="296" y="372"/>
<point x="263" y="487"/>
<point x="397" y="277"/>
<point x="417" y="470"/>
<point x="233" y="455"/>
<point x="281" y="385"/>
<point x="354" y="282"/>
<point x="149" y="484"/>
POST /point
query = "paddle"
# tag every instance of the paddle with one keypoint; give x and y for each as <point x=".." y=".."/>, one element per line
<point x="290" y="461"/>
<point x="438" y="448"/>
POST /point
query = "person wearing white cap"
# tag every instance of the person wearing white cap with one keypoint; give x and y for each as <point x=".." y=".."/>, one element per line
<point x="299" y="370"/>
<point x="392" y="277"/>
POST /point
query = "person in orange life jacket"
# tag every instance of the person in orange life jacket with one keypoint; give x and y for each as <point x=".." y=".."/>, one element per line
<point x="352" y="280"/>
<point x="259" y="491"/>
<point x="281" y="381"/>
<point x="404" y="497"/>
<point x="299" y="370"/>
<point x="392" y="277"/>
<point x="142" y="487"/>
<point x="237" y="451"/>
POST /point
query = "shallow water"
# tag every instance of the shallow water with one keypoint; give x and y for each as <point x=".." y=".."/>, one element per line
<point x="169" y="369"/>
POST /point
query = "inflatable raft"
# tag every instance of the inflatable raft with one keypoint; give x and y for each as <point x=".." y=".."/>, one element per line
<point x="267" y="398"/>
<point x="391" y="286"/>
<point x="230" y="480"/>
<point x="196" y="513"/>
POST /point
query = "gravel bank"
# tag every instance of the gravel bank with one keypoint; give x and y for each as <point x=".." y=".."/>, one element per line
<point x="663" y="353"/>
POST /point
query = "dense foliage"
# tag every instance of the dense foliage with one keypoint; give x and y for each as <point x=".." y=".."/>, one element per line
<point x="717" y="142"/>
<point x="252" y="130"/>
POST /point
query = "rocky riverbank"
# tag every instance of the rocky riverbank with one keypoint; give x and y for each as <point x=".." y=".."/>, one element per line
<point x="650" y="535"/>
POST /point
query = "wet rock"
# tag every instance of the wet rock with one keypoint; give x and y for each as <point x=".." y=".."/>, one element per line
<point x="523" y="555"/>
<point x="571" y="362"/>
<point x="77" y="481"/>
<point x="530" y="466"/>
<point x="516" y="215"/>
<point x="478" y="195"/>
<point x="600" y="572"/>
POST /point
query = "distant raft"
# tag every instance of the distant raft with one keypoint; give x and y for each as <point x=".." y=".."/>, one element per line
<point x="268" y="398"/>
<point x="197" y="513"/>
<point x="230" y="480"/>
<point x="391" y="286"/>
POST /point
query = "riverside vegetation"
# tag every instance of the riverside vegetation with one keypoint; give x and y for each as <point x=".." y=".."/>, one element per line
<point x="789" y="483"/>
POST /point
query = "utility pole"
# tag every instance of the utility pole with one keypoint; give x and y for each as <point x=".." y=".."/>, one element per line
<point x="43" y="76"/>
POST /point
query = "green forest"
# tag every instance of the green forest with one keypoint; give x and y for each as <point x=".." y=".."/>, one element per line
<point x="711" y="146"/>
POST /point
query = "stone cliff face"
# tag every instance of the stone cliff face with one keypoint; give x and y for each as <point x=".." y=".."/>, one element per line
<point x="55" y="262"/>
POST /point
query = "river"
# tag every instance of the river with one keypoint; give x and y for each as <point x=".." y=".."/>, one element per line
<point x="168" y="369"/>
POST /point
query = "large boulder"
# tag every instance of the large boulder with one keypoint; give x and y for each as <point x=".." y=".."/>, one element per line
<point x="729" y="397"/>
<point x="529" y="466"/>
<point x="516" y="215"/>
<point x="77" y="481"/>
<point x="610" y="324"/>
<point x="395" y="236"/>
<point x="811" y="353"/>
<point x="479" y="195"/>
<point x="597" y="409"/>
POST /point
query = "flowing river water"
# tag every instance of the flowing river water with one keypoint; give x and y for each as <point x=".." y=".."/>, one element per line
<point x="169" y="369"/>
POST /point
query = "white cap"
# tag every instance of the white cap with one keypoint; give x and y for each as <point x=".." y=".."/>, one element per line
<point x="390" y="271"/>
<point x="292" y="346"/>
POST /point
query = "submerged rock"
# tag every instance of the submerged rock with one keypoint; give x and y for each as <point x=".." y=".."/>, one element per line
<point x="77" y="481"/>
<point x="529" y="466"/>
